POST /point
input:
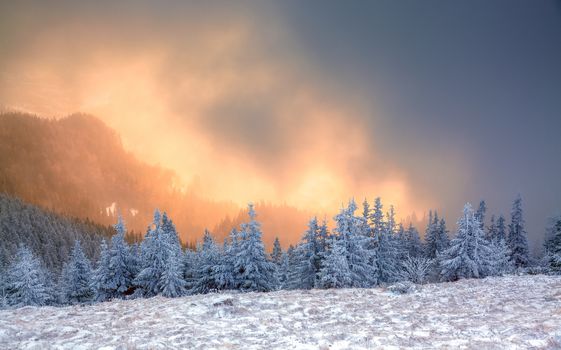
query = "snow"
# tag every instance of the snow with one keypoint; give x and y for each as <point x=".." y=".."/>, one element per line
<point x="515" y="312"/>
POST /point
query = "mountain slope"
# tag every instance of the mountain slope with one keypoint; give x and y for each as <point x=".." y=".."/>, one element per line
<point x="78" y="166"/>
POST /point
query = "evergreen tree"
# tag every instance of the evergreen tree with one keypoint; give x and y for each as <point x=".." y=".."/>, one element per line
<point x="27" y="280"/>
<point x="335" y="271"/>
<point x="377" y="219"/>
<point x="492" y="229"/>
<point x="388" y="251"/>
<point x="414" y="244"/>
<point x="436" y="237"/>
<point x="469" y="252"/>
<point x="171" y="283"/>
<point x="323" y="237"/>
<point x="208" y="260"/>
<point x="154" y="257"/>
<point x="480" y="214"/>
<point x="500" y="229"/>
<point x="307" y="259"/>
<point x="552" y="247"/>
<point x="100" y="280"/>
<point x="517" y="241"/>
<point x="253" y="271"/>
<point x="77" y="278"/>
<point x="276" y="254"/>
<point x="283" y="271"/>
<point x="361" y="261"/>
<point x="121" y="264"/>
<point x="499" y="258"/>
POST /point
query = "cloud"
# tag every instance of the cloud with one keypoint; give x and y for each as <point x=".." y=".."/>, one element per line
<point x="220" y="94"/>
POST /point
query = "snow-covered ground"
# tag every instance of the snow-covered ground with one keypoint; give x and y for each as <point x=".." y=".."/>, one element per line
<point x="495" y="313"/>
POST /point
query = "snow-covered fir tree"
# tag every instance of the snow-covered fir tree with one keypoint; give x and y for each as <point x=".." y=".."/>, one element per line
<point x="276" y="254"/>
<point x="480" y="214"/>
<point x="469" y="253"/>
<point x="77" y="278"/>
<point x="388" y="251"/>
<point x="552" y="246"/>
<point x="151" y="259"/>
<point x="377" y="219"/>
<point x="335" y="271"/>
<point x="362" y="262"/>
<point x="100" y="279"/>
<point x="121" y="265"/>
<point x="253" y="271"/>
<point x="499" y="259"/>
<point x="283" y="271"/>
<point x="27" y="280"/>
<point x="413" y="242"/>
<point x="517" y="240"/>
<point x="307" y="259"/>
<point x="207" y="261"/>
<point x="171" y="283"/>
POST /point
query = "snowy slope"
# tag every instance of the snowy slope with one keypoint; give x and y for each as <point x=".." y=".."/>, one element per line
<point x="495" y="313"/>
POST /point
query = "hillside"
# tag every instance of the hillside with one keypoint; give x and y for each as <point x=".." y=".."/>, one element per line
<point x="78" y="166"/>
<point x="48" y="235"/>
<point x="519" y="312"/>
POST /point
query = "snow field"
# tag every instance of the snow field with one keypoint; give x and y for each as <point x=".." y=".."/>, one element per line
<point x="514" y="312"/>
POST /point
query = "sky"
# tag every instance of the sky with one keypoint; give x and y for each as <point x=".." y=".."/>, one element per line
<point x="427" y="104"/>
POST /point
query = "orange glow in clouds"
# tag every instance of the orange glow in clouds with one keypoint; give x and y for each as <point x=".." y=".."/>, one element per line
<point x="163" y="101"/>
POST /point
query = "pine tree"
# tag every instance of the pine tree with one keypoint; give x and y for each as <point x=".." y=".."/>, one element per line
<point x="121" y="264"/>
<point x="276" y="254"/>
<point x="377" y="219"/>
<point x="208" y="258"/>
<point x="153" y="259"/>
<point x="500" y="233"/>
<point x="171" y="283"/>
<point x="27" y="280"/>
<point x="414" y="244"/>
<point x="335" y="271"/>
<point x="552" y="247"/>
<point x="253" y="271"/>
<point x="436" y="237"/>
<point x="77" y="278"/>
<point x="491" y="229"/>
<point x="307" y="259"/>
<point x="361" y="261"/>
<point x="469" y="252"/>
<point x="480" y="214"/>
<point x="283" y="271"/>
<point x="100" y="279"/>
<point x="388" y="251"/>
<point x="499" y="258"/>
<point x="517" y="241"/>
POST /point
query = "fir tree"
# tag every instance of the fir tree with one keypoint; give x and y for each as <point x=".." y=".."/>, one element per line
<point x="480" y="214"/>
<point x="414" y="244"/>
<point x="77" y="278"/>
<point x="121" y="265"/>
<point x="517" y="241"/>
<point x="100" y="279"/>
<point x="335" y="271"/>
<point x="552" y="247"/>
<point x="276" y="254"/>
<point x="253" y="271"/>
<point x="361" y="261"/>
<point x="500" y="229"/>
<point x="208" y="258"/>
<point x="469" y="252"/>
<point x="307" y="259"/>
<point x="27" y="280"/>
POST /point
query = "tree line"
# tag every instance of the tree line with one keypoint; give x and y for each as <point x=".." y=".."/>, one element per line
<point x="364" y="249"/>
